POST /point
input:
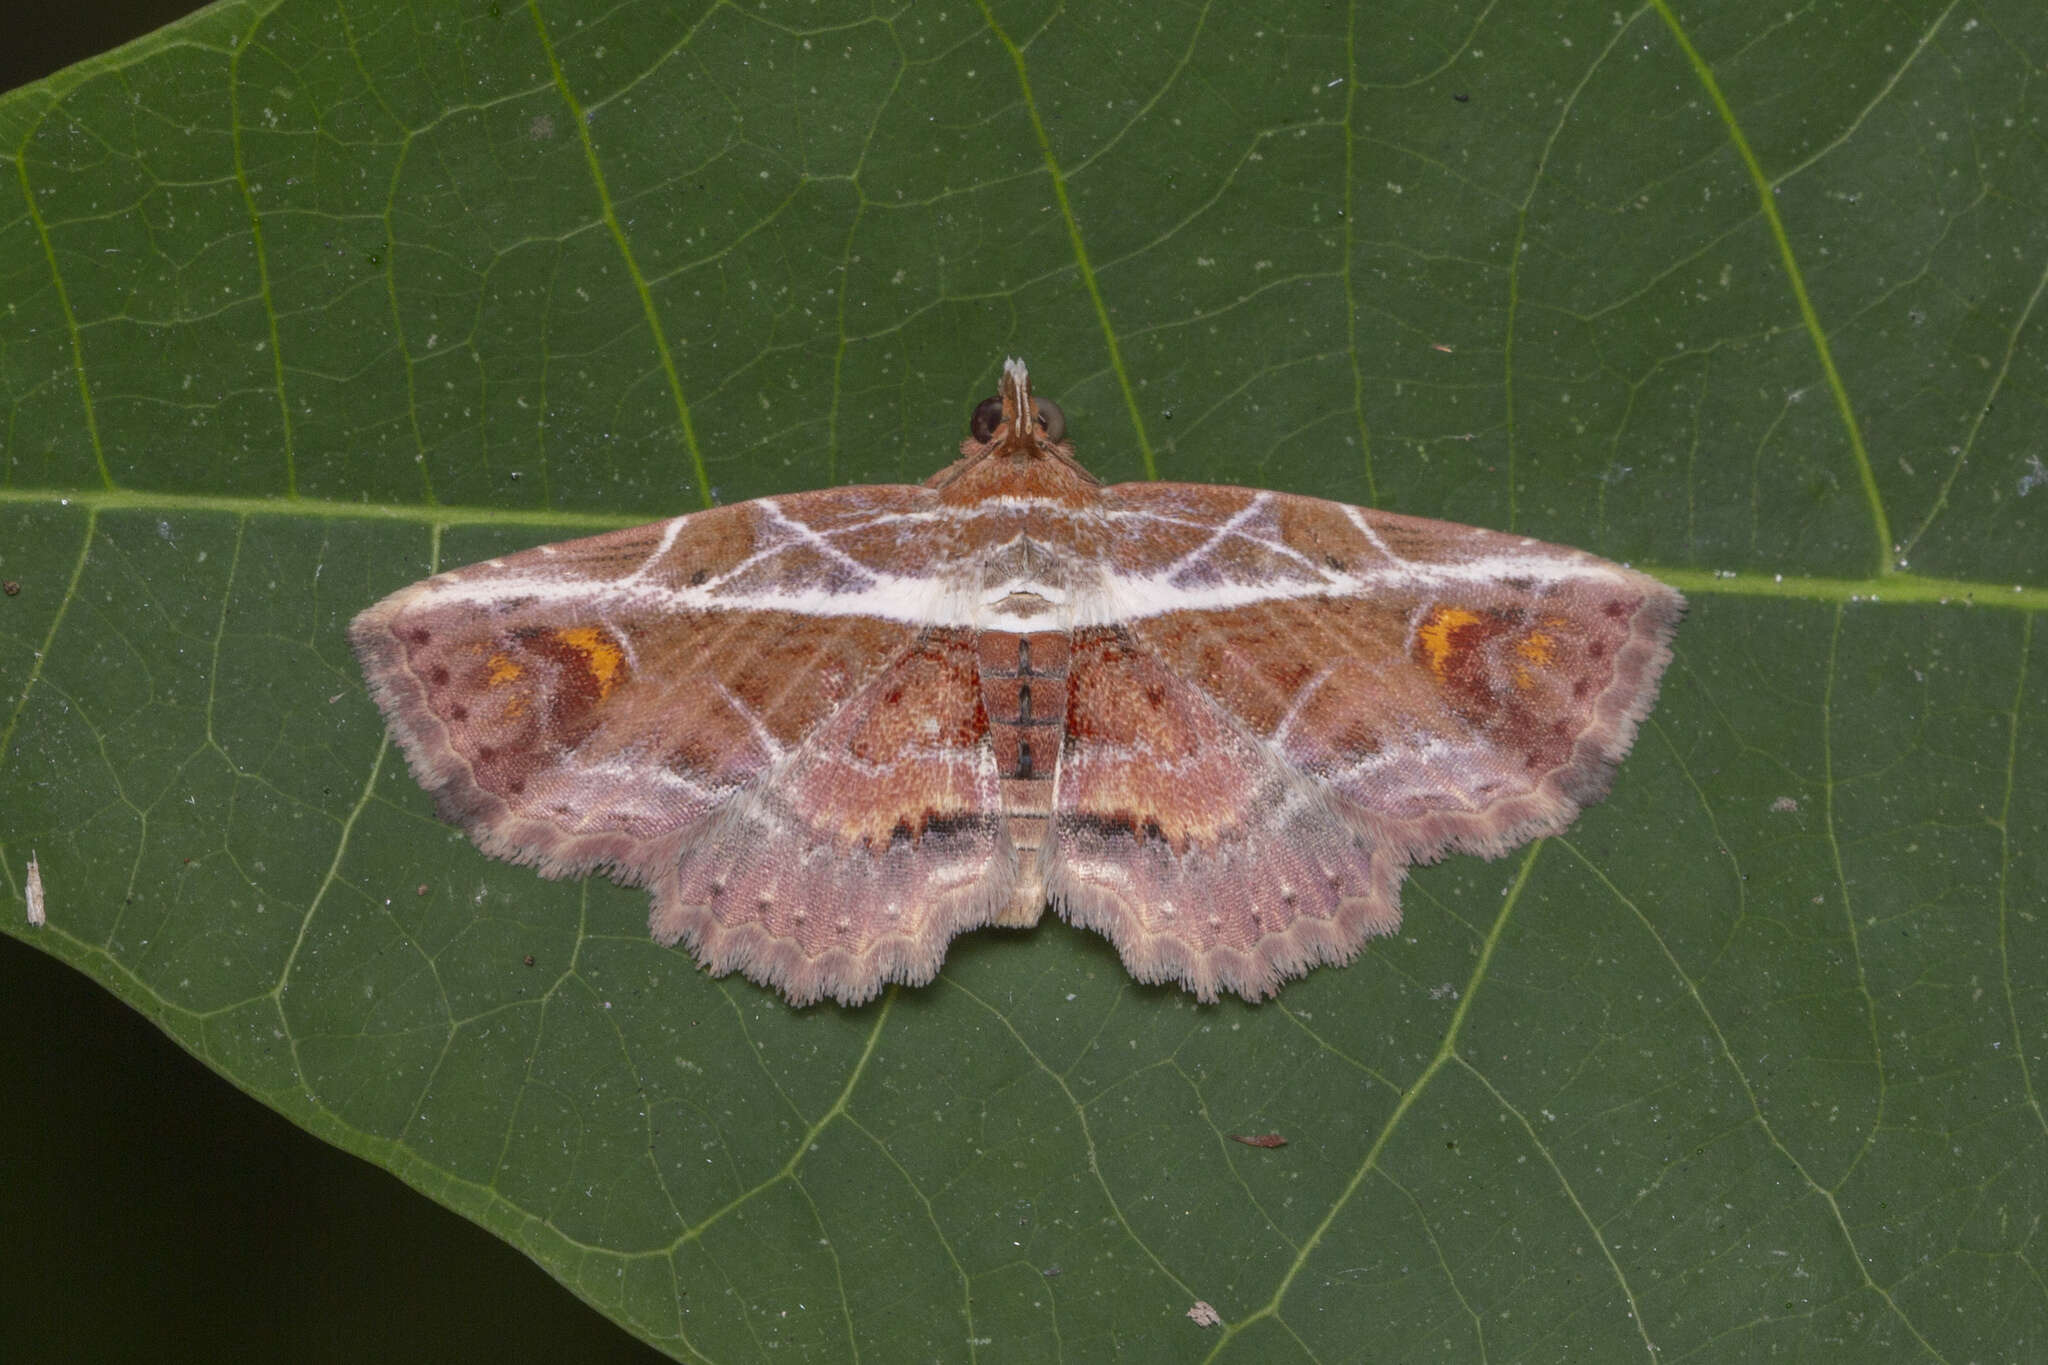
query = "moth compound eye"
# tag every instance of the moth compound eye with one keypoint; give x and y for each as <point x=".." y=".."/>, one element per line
<point x="988" y="415"/>
<point x="1050" y="418"/>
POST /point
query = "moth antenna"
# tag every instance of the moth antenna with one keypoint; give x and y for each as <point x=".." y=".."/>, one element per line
<point x="1016" y="388"/>
<point x="1018" y="413"/>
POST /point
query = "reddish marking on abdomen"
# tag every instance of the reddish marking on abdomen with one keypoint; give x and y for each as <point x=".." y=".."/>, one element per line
<point x="1024" y="693"/>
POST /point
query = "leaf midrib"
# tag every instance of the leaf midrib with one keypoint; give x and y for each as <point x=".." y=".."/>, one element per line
<point x="1893" y="588"/>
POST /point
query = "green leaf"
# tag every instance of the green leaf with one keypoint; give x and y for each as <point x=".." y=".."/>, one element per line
<point x="298" y="303"/>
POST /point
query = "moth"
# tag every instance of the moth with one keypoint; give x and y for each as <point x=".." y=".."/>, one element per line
<point x="830" y="731"/>
<point x="33" y="893"/>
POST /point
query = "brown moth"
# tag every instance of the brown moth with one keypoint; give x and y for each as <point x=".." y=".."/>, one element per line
<point x="830" y="731"/>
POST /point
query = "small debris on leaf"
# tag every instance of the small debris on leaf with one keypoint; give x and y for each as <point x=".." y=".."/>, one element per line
<point x="11" y="588"/>
<point x="1204" y="1315"/>
<point x="2035" y="477"/>
<point x="1258" y="1139"/>
<point x="35" y="892"/>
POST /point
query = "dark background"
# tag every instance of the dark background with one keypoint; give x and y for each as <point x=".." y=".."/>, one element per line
<point x="151" y="1211"/>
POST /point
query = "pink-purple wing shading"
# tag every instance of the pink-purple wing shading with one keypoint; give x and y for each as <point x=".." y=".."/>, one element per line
<point x="806" y="794"/>
<point x="1245" y="785"/>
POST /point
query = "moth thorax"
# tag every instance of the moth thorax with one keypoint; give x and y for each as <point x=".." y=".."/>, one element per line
<point x="1021" y="563"/>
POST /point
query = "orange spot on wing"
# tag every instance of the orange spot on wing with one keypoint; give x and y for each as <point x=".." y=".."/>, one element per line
<point x="503" y="670"/>
<point x="604" y="658"/>
<point x="1538" y="648"/>
<point x="1435" y="636"/>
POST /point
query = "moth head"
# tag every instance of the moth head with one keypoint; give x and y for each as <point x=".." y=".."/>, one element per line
<point x="1001" y="409"/>
<point x="1016" y="446"/>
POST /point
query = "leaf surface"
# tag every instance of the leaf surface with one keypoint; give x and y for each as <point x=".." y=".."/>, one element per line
<point x="298" y="305"/>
